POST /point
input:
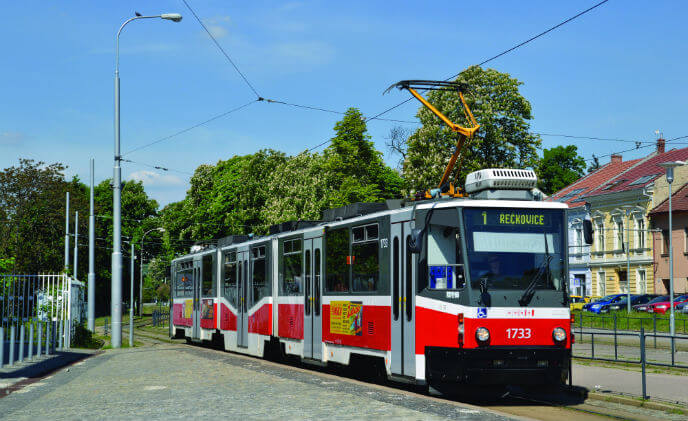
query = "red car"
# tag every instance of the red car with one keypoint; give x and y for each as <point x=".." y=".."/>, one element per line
<point x="663" y="306"/>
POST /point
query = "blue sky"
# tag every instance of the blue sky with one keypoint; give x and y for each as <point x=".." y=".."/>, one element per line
<point x="617" y="72"/>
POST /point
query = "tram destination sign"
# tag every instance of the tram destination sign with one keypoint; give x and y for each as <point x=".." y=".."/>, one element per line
<point x="510" y="217"/>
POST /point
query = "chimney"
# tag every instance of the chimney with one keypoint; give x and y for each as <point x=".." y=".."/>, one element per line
<point x="660" y="145"/>
<point x="616" y="159"/>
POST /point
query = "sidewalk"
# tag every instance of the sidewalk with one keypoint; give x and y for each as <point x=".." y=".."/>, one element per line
<point x="662" y="387"/>
<point x="29" y="371"/>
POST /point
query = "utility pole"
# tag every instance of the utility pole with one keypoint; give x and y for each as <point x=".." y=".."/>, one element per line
<point x="76" y="242"/>
<point x="66" y="254"/>
<point x="91" y="294"/>
<point x="131" y="296"/>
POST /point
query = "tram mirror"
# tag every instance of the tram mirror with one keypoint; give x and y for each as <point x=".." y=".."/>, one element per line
<point x="415" y="240"/>
<point x="588" y="231"/>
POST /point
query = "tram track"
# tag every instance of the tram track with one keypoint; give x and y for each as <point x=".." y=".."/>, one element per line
<point x="518" y="402"/>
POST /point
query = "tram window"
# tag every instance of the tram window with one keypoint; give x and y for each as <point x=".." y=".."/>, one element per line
<point x="365" y="266"/>
<point x="371" y="232"/>
<point x="445" y="267"/>
<point x="336" y="256"/>
<point x="395" y="279"/>
<point x="259" y="272"/>
<point x="358" y="234"/>
<point x="208" y="277"/>
<point x="292" y="260"/>
<point x="230" y="277"/>
<point x="316" y="284"/>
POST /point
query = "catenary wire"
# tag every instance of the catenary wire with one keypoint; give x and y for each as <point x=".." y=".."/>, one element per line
<point x="191" y="128"/>
<point x="259" y="98"/>
<point x="486" y="61"/>
<point x="157" y="167"/>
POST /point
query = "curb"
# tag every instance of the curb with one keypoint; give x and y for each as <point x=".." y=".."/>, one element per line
<point x="635" y="402"/>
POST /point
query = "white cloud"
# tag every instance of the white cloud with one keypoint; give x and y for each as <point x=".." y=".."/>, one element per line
<point x="307" y="52"/>
<point x="154" y="179"/>
<point x="217" y="31"/>
<point x="12" y="138"/>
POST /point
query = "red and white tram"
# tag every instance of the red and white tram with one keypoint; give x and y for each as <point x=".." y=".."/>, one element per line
<point x="468" y="291"/>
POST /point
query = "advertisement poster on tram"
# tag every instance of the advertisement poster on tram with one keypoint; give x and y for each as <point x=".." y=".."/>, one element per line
<point x="346" y="318"/>
<point x="188" y="309"/>
<point x="207" y="309"/>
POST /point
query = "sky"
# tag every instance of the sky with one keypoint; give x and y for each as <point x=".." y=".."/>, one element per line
<point x="615" y="72"/>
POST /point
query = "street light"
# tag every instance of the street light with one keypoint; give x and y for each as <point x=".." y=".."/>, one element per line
<point x="669" y="167"/>
<point x="141" y="274"/>
<point x="116" y="286"/>
<point x="628" y="209"/>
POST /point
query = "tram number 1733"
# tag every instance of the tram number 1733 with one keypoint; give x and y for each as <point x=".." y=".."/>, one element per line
<point x="518" y="333"/>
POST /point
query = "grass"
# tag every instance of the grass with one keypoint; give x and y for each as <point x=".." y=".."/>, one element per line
<point x="632" y="322"/>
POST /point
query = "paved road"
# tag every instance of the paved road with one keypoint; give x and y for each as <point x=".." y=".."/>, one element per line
<point x="158" y="382"/>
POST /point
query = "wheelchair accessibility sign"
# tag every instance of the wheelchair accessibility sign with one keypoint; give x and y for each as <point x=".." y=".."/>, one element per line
<point x="482" y="312"/>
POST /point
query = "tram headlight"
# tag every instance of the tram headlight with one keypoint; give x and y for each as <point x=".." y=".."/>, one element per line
<point x="559" y="335"/>
<point x="482" y="335"/>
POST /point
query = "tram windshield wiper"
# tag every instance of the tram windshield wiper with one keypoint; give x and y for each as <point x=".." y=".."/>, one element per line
<point x="542" y="270"/>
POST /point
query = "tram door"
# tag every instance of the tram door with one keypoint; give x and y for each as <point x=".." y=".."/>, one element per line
<point x="244" y="294"/>
<point x="196" y="307"/>
<point x="312" y="325"/>
<point x="403" y="265"/>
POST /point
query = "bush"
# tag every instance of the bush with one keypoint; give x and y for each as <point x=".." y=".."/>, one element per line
<point x="83" y="338"/>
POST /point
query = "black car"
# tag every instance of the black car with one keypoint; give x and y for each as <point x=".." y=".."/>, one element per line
<point x="635" y="300"/>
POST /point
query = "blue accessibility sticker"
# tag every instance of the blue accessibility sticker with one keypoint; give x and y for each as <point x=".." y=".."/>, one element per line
<point x="482" y="312"/>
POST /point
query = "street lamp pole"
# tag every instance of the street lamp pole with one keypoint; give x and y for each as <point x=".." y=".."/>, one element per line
<point x="669" y="166"/>
<point x="116" y="286"/>
<point x="141" y="270"/>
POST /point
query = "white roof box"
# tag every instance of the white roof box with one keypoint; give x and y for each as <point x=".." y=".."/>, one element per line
<point x="500" y="179"/>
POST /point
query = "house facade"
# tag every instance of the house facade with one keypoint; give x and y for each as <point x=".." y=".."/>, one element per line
<point x="659" y="217"/>
<point x="620" y="211"/>
<point x="580" y="274"/>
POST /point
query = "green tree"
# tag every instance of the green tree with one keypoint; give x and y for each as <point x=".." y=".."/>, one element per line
<point x="503" y="140"/>
<point x="355" y="169"/>
<point x="559" y="167"/>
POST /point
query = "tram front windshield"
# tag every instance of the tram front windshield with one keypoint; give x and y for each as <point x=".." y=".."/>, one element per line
<point x="510" y="249"/>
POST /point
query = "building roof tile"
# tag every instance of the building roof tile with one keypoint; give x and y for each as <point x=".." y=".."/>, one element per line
<point x="573" y="193"/>
<point x="679" y="202"/>
<point x="642" y="174"/>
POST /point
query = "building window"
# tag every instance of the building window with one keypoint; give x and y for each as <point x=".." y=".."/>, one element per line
<point x="623" y="281"/>
<point x="600" y="236"/>
<point x="685" y="240"/>
<point x="579" y="243"/>
<point x="640" y="234"/>
<point x="601" y="284"/>
<point x="665" y="241"/>
<point x="641" y="282"/>
<point x="619" y="235"/>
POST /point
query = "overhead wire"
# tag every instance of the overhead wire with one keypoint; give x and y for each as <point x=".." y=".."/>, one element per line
<point x="259" y="97"/>
<point x="533" y="38"/>
<point x="650" y="144"/>
<point x="157" y="167"/>
<point x="190" y="128"/>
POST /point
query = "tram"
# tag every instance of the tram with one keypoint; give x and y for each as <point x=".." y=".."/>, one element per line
<point x="454" y="290"/>
<point x="457" y="286"/>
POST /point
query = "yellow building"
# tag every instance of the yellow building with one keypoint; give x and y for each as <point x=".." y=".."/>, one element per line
<point x="619" y="210"/>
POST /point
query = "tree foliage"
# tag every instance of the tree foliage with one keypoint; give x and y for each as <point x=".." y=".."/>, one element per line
<point x="503" y="139"/>
<point x="559" y="167"/>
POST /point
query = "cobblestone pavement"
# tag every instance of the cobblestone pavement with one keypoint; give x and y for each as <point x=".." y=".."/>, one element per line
<point x="170" y="381"/>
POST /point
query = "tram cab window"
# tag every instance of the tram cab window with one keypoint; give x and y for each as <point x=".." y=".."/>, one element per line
<point x="292" y="261"/>
<point x="445" y="261"/>
<point x="230" y="277"/>
<point x="365" y="258"/>
<point x="258" y="265"/>
<point x="208" y="281"/>
<point x="336" y="264"/>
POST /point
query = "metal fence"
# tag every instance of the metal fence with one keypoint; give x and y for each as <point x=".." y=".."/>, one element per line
<point x="37" y="313"/>
<point x="624" y="322"/>
<point x="160" y="318"/>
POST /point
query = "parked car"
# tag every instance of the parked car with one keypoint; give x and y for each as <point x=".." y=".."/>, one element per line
<point x="663" y="306"/>
<point x="635" y="300"/>
<point x="682" y="308"/>
<point x="644" y="307"/>
<point x="577" y="302"/>
<point x="597" y="306"/>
